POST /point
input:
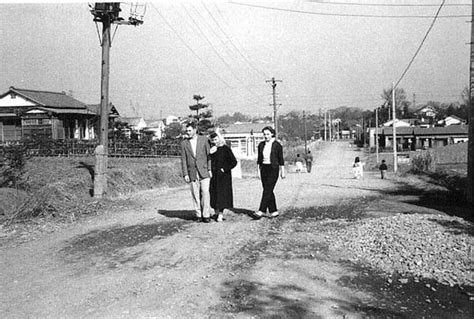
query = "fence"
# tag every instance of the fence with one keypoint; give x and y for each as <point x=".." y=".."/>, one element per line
<point x="86" y="148"/>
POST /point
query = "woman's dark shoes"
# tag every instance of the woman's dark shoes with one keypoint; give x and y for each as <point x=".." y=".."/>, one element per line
<point x="206" y="220"/>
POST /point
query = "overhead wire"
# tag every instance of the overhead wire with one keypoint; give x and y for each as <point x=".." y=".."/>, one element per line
<point x="388" y="4"/>
<point x="233" y="44"/>
<point x="224" y="43"/>
<point x="189" y="47"/>
<point x="200" y="31"/>
<point x="346" y="14"/>
<point x="417" y="51"/>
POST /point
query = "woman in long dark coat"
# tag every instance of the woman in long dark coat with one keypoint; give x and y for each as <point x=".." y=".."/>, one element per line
<point x="220" y="188"/>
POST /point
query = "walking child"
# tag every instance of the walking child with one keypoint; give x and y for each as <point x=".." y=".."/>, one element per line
<point x="358" y="168"/>
<point x="383" y="169"/>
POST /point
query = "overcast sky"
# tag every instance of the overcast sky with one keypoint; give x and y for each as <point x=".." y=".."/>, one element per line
<point x="326" y="55"/>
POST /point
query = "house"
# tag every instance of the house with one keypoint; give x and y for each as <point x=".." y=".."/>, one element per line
<point x="426" y="114"/>
<point x="452" y="120"/>
<point x="171" y="119"/>
<point x="398" y="123"/>
<point x="413" y="138"/>
<point x="243" y="138"/>
<point x="155" y="128"/>
<point x="28" y="113"/>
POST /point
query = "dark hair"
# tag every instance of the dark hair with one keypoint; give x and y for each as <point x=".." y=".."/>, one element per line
<point x="213" y="135"/>
<point x="383" y="161"/>
<point x="269" y="128"/>
<point x="191" y="124"/>
<point x="357" y="160"/>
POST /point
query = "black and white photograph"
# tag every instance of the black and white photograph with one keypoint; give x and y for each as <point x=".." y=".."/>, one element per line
<point x="237" y="159"/>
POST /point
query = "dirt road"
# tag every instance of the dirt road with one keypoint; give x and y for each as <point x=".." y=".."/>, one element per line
<point x="148" y="259"/>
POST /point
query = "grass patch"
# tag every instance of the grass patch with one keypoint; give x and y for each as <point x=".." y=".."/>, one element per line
<point x="62" y="187"/>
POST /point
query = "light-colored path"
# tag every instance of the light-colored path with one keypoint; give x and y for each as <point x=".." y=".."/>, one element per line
<point x="121" y="264"/>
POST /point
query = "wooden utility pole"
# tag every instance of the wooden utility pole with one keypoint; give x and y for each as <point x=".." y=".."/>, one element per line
<point x="107" y="13"/>
<point x="325" y="126"/>
<point x="470" y="152"/>
<point x="377" y="133"/>
<point x="305" y="139"/>
<point x="330" y="127"/>
<point x="275" y="116"/>
<point x="394" y="132"/>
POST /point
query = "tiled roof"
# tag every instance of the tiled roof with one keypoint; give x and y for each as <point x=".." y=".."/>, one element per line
<point x="49" y="99"/>
<point x="243" y="128"/>
<point x="64" y="111"/>
<point x="437" y="130"/>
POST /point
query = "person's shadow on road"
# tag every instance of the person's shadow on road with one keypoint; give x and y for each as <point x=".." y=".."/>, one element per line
<point x="181" y="214"/>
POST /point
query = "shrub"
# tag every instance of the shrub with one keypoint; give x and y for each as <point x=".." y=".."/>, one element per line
<point x="12" y="167"/>
<point x="422" y="163"/>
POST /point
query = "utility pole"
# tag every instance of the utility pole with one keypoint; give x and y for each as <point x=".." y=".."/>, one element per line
<point x="470" y="152"/>
<point x="305" y="139"/>
<point x="107" y="13"/>
<point x="330" y="127"/>
<point x="394" y="131"/>
<point x="377" y="133"/>
<point x="275" y="117"/>
<point x="325" y="125"/>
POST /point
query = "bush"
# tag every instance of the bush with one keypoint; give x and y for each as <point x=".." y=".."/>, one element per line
<point x="12" y="167"/>
<point x="422" y="163"/>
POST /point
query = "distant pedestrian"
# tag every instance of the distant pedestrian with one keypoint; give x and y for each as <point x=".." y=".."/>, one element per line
<point x="383" y="169"/>
<point x="299" y="163"/>
<point x="222" y="163"/>
<point x="358" y="168"/>
<point x="196" y="168"/>
<point x="270" y="164"/>
<point x="309" y="161"/>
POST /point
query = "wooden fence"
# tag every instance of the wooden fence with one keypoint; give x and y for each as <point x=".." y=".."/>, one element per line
<point x="86" y="148"/>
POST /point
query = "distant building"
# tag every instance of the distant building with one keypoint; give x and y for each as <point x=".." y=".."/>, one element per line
<point x="413" y="138"/>
<point x="244" y="138"/>
<point x="398" y="123"/>
<point x="452" y="120"/>
<point x="32" y="114"/>
<point x="155" y="127"/>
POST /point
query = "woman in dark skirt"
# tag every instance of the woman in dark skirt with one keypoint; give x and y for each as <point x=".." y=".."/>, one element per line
<point x="220" y="188"/>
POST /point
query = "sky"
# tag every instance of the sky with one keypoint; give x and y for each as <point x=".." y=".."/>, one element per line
<point x="323" y="54"/>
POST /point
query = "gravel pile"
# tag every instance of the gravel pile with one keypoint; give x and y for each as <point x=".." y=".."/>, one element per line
<point x="424" y="246"/>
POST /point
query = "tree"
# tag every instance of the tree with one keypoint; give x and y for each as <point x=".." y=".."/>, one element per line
<point x="401" y="103"/>
<point x="203" y="119"/>
<point x="173" y="130"/>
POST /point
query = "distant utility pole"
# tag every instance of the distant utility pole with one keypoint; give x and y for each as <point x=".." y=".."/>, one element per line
<point x="394" y="131"/>
<point x="275" y="117"/>
<point x="305" y="139"/>
<point x="325" y="126"/>
<point x="330" y="127"/>
<point x="470" y="153"/>
<point x="377" y="133"/>
<point x="107" y="13"/>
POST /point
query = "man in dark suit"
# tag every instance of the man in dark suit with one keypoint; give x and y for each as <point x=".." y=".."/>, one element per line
<point x="196" y="168"/>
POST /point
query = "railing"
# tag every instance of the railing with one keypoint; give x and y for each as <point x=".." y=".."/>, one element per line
<point x="166" y="148"/>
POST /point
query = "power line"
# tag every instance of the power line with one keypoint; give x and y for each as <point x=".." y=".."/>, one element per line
<point x="214" y="49"/>
<point x="347" y="14"/>
<point x="232" y="43"/>
<point x="216" y="34"/>
<point x="190" y="49"/>
<point x="389" y="4"/>
<point x="421" y="44"/>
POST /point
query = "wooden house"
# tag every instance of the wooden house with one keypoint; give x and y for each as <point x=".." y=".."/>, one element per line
<point x="26" y="114"/>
